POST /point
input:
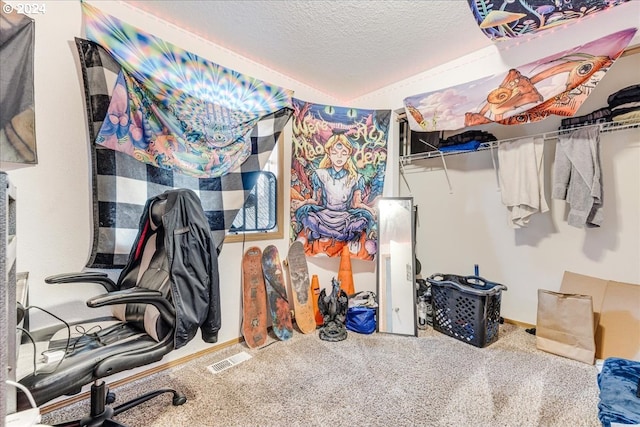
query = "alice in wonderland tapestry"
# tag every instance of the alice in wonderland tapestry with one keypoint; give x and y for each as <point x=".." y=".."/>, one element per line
<point x="558" y="84"/>
<point x="175" y="110"/>
<point x="338" y="164"/>
<point x="507" y="19"/>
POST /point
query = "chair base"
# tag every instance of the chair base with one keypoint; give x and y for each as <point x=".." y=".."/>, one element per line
<point x="101" y="414"/>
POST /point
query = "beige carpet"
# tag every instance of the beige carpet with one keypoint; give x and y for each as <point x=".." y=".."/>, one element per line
<point x="372" y="380"/>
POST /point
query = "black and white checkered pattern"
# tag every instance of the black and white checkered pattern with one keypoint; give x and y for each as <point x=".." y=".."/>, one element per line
<point x="122" y="185"/>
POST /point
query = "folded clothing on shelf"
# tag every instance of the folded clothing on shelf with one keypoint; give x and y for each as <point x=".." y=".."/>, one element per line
<point x="466" y="146"/>
<point x="422" y="142"/>
<point x="466" y="141"/>
<point x="468" y="136"/>
<point x="622" y="105"/>
<point x="623" y="96"/>
<point x="625" y="104"/>
<point x="601" y="115"/>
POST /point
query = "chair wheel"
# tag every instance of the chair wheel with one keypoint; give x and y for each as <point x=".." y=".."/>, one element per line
<point x="111" y="397"/>
<point x="179" y="399"/>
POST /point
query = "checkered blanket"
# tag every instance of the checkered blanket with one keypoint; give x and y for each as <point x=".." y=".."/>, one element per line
<point x="122" y="185"/>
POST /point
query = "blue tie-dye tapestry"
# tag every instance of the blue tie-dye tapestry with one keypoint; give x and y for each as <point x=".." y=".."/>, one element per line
<point x="175" y="110"/>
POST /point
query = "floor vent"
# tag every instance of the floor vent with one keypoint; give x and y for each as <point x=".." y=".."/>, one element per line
<point x="229" y="362"/>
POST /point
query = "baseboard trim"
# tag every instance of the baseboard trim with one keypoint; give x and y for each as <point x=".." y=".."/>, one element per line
<point x="519" y="323"/>
<point x="85" y="395"/>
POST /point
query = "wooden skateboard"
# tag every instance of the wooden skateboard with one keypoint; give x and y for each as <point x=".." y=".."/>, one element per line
<point x="276" y="293"/>
<point x="254" y="299"/>
<point x="301" y="288"/>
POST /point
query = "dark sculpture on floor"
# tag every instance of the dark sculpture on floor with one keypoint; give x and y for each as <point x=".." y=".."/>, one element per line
<point x="333" y="308"/>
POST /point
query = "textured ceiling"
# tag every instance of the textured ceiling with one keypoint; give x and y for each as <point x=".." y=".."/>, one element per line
<point x="343" y="48"/>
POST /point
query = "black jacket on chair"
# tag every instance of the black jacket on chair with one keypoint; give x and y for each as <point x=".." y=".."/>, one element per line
<point x="168" y="289"/>
<point x="195" y="284"/>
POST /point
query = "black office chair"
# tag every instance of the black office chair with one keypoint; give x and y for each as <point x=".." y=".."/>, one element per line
<point x="143" y="304"/>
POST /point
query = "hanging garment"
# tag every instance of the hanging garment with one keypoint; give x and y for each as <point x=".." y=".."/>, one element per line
<point x="577" y="177"/>
<point x="192" y="262"/>
<point x="521" y="179"/>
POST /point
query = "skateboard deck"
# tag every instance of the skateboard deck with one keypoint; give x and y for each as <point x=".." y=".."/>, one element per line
<point x="301" y="288"/>
<point x="254" y="299"/>
<point x="277" y="300"/>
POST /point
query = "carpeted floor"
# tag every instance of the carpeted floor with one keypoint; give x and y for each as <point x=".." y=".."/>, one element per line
<point x="372" y="380"/>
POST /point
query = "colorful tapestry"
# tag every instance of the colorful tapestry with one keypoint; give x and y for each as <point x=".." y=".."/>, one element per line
<point x="122" y="185"/>
<point x="17" y="116"/>
<point x="557" y="84"/>
<point x="338" y="164"/>
<point x="175" y="110"/>
<point x="508" y="19"/>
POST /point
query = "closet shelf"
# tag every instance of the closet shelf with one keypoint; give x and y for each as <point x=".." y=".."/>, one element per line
<point x="604" y="127"/>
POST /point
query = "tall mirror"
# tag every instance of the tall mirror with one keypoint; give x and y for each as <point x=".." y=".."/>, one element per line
<point x="396" y="270"/>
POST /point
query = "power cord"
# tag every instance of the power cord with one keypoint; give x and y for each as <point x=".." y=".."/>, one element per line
<point x="29" y="417"/>
<point x="85" y="333"/>
<point x="24" y="390"/>
<point x="68" y="341"/>
<point x="33" y="342"/>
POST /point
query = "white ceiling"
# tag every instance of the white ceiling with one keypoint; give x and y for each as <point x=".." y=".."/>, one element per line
<point x="345" y="49"/>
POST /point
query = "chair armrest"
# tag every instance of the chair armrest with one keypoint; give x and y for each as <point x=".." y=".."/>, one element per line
<point x="86" y="277"/>
<point x="136" y="295"/>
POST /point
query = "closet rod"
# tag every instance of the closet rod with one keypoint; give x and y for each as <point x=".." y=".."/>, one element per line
<point x="604" y="127"/>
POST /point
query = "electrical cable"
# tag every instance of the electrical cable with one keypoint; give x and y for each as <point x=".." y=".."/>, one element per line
<point x="24" y="390"/>
<point x="33" y="342"/>
<point x="61" y="320"/>
<point x="84" y="333"/>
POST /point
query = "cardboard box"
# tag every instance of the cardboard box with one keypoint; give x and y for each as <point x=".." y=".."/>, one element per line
<point x="617" y="309"/>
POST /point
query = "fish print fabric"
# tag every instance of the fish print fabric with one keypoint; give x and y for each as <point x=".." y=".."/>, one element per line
<point x="557" y="84"/>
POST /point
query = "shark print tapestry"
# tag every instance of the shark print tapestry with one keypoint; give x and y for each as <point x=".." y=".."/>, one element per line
<point x="175" y="110"/>
<point x="557" y="84"/>
<point x="508" y="19"/>
<point x="338" y="163"/>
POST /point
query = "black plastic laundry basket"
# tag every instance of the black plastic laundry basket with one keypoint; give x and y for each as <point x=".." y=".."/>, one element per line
<point x="466" y="307"/>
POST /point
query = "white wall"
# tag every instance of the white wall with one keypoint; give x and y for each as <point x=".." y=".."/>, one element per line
<point x="469" y="226"/>
<point x="54" y="209"/>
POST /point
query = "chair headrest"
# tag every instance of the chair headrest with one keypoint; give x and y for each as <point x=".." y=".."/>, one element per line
<point x="156" y="211"/>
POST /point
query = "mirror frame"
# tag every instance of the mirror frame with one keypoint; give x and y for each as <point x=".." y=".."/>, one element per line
<point x="405" y="321"/>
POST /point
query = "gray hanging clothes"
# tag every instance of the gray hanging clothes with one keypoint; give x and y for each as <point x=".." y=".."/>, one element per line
<point x="577" y="176"/>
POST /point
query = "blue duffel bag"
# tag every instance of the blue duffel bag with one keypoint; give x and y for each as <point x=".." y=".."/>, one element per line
<point x="361" y="319"/>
